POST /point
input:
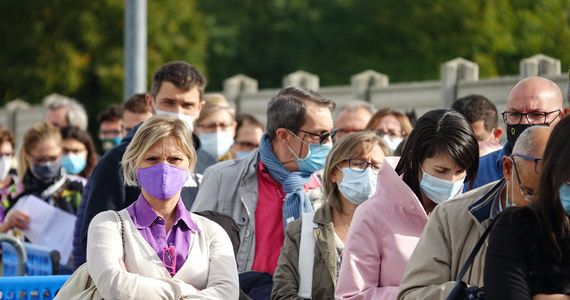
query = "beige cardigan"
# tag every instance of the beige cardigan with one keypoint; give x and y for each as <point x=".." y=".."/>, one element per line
<point x="209" y="272"/>
<point x="450" y="235"/>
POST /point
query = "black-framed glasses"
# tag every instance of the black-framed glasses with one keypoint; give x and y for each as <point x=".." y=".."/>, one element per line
<point x="359" y="165"/>
<point x="527" y="197"/>
<point x="323" y="137"/>
<point x="537" y="161"/>
<point x="391" y="134"/>
<point x="536" y="117"/>
<point x="44" y="159"/>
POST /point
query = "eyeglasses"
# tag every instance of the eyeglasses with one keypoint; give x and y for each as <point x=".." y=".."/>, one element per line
<point x="111" y="132"/>
<point x="246" y="145"/>
<point x="214" y="127"/>
<point x="391" y="133"/>
<point x="323" y="137"/>
<point x="45" y="159"/>
<point x="528" y="197"/>
<point x="359" y="165"/>
<point x="537" y="117"/>
<point x="537" y="161"/>
<point x="170" y="260"/>
<point x="126" y="130"/>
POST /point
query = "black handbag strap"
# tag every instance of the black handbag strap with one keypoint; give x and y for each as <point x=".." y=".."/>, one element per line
<point x="122" y="228"/>
<point x="475" y="251"/>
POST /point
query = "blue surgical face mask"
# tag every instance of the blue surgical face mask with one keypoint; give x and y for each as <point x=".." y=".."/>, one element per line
<point x="393" y="143"/>
<point x="439" y="190"/>
<point x="316" y="156"/>
<point x="217" y="143"/>
<point x="357" y="187"/>
<point x="74" y="163"/>
<point x="241" y="154"/>
<point x="564" y="194"/>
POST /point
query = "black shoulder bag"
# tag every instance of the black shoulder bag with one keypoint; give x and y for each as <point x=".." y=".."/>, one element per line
<point x="460" y="290"/>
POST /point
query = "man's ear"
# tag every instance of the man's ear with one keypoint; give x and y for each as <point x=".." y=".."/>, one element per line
<point x="148" y="100"/>
<point x="497" y="132"/>
<point x="282" y="136"/>
<point x="507" y="167"/>
<point x="201" y="105"/>
<point x="565" y="112"/>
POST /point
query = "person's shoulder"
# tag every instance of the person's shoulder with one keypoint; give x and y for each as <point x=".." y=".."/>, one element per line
<point x="108" y="215"/>
<point x="519" y="216"/>
<point x="229" y="166"/>
<point x="205" y="223"/>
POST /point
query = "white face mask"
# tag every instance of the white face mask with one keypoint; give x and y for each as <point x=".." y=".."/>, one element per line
<point x="439" y="190"/>
<point x="217" y="143"/>
<point x="189" y="120"/>
<point x="5" y="165"/>
<point x="393" y="143"/>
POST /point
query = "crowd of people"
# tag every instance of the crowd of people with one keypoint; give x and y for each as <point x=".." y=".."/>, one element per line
<point x="192" y="200"/>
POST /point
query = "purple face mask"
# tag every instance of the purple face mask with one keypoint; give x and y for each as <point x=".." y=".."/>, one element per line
<point x="162" y="181"/>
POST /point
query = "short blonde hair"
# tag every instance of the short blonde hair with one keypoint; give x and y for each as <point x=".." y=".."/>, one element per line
<point x="151" y="132"/>
<point x="350" y="146"/>
<point x="39" y="132"/>
<point x="216" y="102"/>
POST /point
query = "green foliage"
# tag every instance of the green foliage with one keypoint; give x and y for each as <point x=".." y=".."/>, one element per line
<point x="405" y="39"/>
<point x="75" y="48"/>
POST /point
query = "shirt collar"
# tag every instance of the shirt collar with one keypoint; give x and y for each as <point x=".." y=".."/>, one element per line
<point x="145" y="215"/>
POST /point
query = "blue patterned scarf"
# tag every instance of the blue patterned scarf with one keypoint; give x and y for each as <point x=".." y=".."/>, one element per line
<point x="296" y="199"/>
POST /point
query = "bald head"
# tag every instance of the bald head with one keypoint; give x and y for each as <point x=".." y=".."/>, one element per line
<point x="536" y="94"/>
<point x="532" y="141"/>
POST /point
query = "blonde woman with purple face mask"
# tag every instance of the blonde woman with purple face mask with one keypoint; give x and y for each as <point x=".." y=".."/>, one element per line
<point x="167" y="251"/>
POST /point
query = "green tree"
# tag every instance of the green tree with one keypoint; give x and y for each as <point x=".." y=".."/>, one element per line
<point x="75" y="48"/>
<point x="406" y="39"/>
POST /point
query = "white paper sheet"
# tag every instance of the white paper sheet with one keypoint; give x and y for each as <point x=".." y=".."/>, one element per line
<point x="49" y="226"/>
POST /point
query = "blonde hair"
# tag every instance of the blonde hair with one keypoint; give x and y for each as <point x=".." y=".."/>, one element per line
<point x="38" y="133"/>
<point x="151" y="132"/>
<point x="350" y="146"/>
<point x="216" y="102"/>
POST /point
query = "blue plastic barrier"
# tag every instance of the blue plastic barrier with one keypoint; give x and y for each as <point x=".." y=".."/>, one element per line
<point x="40" y="260"/>
<point x="30" y="287"/>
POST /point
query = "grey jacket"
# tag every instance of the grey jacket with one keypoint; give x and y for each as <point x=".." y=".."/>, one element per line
<point x="230" y="187"/>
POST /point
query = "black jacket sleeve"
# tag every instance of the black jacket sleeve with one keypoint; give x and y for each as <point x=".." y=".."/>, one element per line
<point x="506" y="270"/>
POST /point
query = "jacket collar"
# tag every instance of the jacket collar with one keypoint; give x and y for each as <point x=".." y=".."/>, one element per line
<point x="506" y="151"/>
<point x="392" y="188"/>
<point x="487" y="206"/>
<point x="323" y="215"/>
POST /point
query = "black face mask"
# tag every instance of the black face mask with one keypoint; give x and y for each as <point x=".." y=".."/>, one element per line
<point x="46" y="171"/>
<point x="513" y="132"/>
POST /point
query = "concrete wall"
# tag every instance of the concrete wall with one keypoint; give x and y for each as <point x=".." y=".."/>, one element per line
<point x="459" y="78"/>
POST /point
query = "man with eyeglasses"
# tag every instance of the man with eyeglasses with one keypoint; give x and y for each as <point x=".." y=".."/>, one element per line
<point x="353" y="117"/>
<point x="455" y="226"/>
<point x="274" y="185"/>
<point x="532" y="101"/>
